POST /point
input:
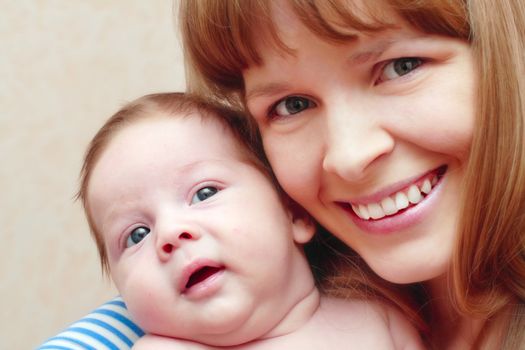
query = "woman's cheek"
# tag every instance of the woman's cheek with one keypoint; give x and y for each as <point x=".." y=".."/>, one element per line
<point x="297" y="166"/>
<point x="451" y="128"/>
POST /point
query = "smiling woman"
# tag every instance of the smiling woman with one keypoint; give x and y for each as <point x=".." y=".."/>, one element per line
<point x="367" y="134"/>
<point x="399" y="126"/>
<point x="182" y="225"/>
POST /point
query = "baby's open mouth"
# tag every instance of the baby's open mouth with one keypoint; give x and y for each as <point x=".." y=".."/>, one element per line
<point x="201" y="275"/>
<point x="399" y="201"/>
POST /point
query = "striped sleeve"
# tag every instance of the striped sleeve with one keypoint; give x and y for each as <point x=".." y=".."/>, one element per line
<point x="108" y="327"/>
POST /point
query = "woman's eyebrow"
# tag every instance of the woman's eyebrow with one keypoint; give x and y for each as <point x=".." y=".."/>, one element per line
<point x="266" y="89"/>
<point x="360" y="56"/>
<point x="371" y="52"/>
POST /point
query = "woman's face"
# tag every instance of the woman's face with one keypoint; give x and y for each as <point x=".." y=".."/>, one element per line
<point x="371" y="137"/>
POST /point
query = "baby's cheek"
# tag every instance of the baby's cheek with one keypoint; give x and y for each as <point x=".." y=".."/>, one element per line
<point x="144" y="305"/>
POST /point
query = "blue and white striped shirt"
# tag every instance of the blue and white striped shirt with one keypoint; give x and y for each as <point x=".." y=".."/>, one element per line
<point x="108" y="327"/>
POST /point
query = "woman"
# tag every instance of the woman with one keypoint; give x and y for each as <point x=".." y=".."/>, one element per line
<point x="399" y="126"/>
<point x="361" y="104"/>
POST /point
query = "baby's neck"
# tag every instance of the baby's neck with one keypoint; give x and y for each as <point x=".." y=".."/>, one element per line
<point x="298" y="315"/>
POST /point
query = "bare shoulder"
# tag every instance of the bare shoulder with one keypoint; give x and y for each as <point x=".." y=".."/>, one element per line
<point x="152" y="342"/>
<point x="404" y="334"/>
<point x="354" y="312"/>
<point x="371" y="324"/>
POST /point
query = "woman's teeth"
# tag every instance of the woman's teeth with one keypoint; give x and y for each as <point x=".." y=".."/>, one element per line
<point x="395" y="202"/>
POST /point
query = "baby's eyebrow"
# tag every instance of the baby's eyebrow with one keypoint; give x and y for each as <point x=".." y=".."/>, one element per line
<point x="112" y="217"/>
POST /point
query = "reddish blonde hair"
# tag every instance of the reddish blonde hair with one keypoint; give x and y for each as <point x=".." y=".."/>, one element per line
<point x="221" y="37"/>
<point x="488" y="268"/>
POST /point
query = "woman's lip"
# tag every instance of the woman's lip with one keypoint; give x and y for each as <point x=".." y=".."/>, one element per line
<point x="394" y="188"/>
<point x="402" y="219"/>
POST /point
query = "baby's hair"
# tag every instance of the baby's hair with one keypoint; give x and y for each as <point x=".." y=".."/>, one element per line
<point x="167" y="105"/>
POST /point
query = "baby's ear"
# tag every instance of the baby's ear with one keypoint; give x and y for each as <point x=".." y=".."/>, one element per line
<point x="303" y="227"/>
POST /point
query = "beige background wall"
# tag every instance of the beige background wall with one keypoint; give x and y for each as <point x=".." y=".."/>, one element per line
<point x="65" y="66"/>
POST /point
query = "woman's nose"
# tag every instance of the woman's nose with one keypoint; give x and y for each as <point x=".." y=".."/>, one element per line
<point x="353" y="144"/>
<point x="169" y="239"/>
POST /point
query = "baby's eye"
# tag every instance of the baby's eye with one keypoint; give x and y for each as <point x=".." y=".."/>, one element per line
<point x="136" y="236"/>
<point x="203" y="194"/>
<point x="291" y="105"/>
<point x="399" y="67"/>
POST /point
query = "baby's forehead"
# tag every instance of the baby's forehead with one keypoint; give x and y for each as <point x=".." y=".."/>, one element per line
<point x="155" y="141"/>
<point x="154" y="151"/>
<point x="163" y="144"/>
<point x="163" y="124"/>
<point x="178" y="128"/>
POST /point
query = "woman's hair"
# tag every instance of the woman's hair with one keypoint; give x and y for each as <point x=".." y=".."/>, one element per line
<point x="167" y="105"/>
<point x="221" y="39"/>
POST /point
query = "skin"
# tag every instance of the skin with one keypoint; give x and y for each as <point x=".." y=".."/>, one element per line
<point x="363" y="131"/>
<point x="157" y="188"/>
<point x="349" y="123"/>
<point x="264" y="297"/>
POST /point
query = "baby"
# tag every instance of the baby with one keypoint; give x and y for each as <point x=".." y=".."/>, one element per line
<point x="204" y="249"/>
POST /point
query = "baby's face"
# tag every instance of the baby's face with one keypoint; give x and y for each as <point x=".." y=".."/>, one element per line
<point x="198" y="243"/>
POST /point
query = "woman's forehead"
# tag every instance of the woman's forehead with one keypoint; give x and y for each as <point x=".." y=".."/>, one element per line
<point x="338" y="20"/>
<point x="224" y="40"/>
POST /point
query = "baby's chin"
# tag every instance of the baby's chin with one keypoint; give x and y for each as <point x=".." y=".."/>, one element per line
<point x="226" y="335"/>
<point x="227" y="326"/>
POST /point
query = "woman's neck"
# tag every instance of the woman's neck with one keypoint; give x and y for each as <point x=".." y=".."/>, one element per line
<point x="449" y="329"/>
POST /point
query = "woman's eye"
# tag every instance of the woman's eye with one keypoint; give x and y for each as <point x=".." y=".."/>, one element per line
<point x="291" y="105"/>
<point x="399" y="67"/>
<point x="136" y="236"/>
<point x="203" y="194"/>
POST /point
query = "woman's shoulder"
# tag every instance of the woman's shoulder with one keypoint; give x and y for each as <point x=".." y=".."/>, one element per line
<point x="354" y="311"/>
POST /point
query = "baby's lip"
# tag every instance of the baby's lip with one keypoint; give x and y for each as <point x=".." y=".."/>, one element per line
<point x="198" y="271"/>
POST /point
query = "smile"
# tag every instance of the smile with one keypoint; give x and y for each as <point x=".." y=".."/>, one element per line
<point x="400" y="200"/>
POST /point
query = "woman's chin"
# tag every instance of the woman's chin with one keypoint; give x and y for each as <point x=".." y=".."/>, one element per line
<point x="400" y="273"/>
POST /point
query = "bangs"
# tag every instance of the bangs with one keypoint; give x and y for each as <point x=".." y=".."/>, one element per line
<point x="440" y="17"/>
<point x="219" y="41"/>
<point x="222" y="37"/>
